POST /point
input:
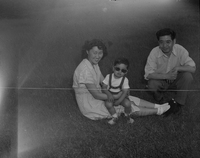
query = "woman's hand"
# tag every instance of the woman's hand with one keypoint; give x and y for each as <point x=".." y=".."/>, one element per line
<point x="110" y="97"/>
<point x="95" y="92"/>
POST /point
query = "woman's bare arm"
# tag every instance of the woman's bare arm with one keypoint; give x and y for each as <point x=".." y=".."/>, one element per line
<point x="98" y="95"/>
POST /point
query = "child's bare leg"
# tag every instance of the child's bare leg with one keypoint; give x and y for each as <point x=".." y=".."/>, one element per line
<point x="110" y="108"/>
<point x="112" y="111"/>
<point x="126" y="103"/>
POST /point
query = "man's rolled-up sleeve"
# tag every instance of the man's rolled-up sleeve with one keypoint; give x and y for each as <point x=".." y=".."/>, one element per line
<point x="186" y="60"/>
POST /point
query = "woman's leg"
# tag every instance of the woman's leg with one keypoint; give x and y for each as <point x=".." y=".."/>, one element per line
<point x="148" y="108"/>
<point x="147" y="104"/>
<point x="149" y="111"/>
<point x="145" y="111"/>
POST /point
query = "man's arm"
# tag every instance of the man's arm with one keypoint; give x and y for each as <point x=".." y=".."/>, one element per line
<point x="173" y="73"/>
<point x="156" y="76"/>
<point x="187" y="63"/>
<point x="161" y="76"/>
<point x="186" y="68"/>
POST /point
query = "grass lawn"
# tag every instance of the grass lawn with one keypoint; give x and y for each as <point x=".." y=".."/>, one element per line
<point x="51" y="126"/>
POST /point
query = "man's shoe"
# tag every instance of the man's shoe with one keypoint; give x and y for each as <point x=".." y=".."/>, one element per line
<point x="177" y="110"/>
<point x="173" y="108"/>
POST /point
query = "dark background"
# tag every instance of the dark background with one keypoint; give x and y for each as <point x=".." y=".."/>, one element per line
<point x="43" y="38"/>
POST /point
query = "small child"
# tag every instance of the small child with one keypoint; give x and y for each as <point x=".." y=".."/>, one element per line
<point x="115" y="83"/>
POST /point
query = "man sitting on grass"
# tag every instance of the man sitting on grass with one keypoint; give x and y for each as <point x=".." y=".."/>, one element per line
<point x="169" y="67"/>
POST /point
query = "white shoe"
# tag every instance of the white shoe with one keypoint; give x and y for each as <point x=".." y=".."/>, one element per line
<point x="130" y="120"/>
<point x="161" y="105"/>
<point x="113" y="121"/>
<point x="163" y="109"/>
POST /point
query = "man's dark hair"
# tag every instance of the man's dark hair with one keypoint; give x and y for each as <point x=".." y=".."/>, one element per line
<point x="164" y="32"/>
<point x="88" y="45"/>
<point x="121" y="60"/>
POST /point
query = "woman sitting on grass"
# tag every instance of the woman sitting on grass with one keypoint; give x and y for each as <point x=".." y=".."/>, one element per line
<point x="89" y="96"/>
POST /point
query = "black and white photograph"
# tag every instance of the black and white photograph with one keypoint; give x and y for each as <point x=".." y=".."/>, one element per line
<point x="99" y="79"/>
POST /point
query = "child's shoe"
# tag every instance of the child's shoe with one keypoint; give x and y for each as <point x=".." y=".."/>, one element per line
<point x="163" y="109"/>
<point x="130" y="120"/>
<point x="113" y="120"/>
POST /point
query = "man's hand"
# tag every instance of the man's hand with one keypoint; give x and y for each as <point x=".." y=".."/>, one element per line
<point x="171" y="75"/>
<point x="175" y="70"/>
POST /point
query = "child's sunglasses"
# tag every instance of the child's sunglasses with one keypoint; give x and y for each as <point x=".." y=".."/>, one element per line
<point x="122" y="70"/>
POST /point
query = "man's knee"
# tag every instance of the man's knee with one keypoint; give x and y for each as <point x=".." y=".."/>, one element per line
<point x="153" y="84"/>
<point x="187" y="76"/>
<point x="184" y="80"/>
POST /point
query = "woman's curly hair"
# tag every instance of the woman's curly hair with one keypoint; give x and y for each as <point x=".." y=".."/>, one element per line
<point x="92" y="43"/>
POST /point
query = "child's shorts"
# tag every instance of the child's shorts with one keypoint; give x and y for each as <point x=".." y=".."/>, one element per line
<point x="134" y="105"/>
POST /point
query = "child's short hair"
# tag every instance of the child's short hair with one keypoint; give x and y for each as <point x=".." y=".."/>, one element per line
<point x="121" y="60"/>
